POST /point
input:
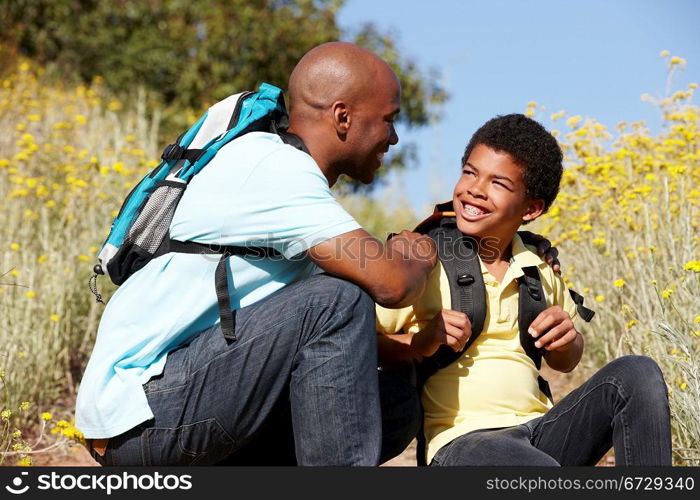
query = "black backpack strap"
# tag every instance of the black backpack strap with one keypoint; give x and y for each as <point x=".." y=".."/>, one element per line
<point x="585" y="313"/>
<point x="532" y="302"/>
<point x="280" y="127"/>
<point x="175" y="152"/>
<point x="223" y="297"/>
<point x="226" y="314"/>
<point x="460" y="261"/>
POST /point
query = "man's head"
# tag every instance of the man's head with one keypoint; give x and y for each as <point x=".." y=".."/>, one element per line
<point x="511" y="172"/>
<point x="343" y="101"/>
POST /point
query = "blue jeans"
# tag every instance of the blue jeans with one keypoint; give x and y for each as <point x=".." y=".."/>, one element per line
<point x="310" y="347"/>
<point x="624" y="405"/>
<point x="401" y="417"/>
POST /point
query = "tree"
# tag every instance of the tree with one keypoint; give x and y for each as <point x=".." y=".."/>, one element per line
<point x="191" y="54"/>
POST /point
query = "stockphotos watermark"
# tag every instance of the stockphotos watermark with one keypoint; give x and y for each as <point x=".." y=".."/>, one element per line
<point x="99" y="482"/>
<point x="363" y="250"/>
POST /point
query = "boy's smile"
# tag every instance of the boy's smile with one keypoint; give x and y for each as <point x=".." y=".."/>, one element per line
<point x="489" y="198"/>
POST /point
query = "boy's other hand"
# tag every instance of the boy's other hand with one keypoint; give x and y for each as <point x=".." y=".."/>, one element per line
<point x="544" y="249"/>
<point x="553" y="329"/>
<point x="448" y="327"/>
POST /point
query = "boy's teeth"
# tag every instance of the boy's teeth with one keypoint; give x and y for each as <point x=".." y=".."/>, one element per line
<point x="472" y="210"/>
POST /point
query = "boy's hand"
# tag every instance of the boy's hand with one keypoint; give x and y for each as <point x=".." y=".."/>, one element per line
<point x="448" y="327"/>
<point x="553" y="329"/>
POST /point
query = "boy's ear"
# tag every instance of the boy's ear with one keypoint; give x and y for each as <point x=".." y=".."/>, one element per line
<point x="533" y="210"/>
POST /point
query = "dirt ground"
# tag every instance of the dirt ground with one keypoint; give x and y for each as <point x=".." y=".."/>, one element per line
<point x="560" y="383"/>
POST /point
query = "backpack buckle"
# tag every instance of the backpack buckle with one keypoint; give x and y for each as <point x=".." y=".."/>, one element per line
<point x="173" y="152"/>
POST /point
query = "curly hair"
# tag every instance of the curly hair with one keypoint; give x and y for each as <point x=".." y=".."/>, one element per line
<point x="529" y="145"/>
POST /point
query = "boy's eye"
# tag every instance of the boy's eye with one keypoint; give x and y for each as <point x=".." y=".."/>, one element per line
<point x="503" y="185"/>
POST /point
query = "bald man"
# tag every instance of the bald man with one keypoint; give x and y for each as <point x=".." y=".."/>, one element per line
<point x="164" y="387"/>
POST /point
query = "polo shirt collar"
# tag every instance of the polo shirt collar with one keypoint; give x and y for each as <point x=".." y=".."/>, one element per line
<point x="521" y="257"/>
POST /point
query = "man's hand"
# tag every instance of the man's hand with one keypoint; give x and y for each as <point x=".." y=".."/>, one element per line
<point x="544" y="249"/>
<point x="413" y="246"/>
<point x="448" y="327"/>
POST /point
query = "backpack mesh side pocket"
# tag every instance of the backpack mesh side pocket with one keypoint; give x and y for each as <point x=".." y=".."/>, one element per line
<point x="153" y="222"/>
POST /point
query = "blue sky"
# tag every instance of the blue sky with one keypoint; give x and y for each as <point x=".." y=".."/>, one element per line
<point x="593" y="58"/>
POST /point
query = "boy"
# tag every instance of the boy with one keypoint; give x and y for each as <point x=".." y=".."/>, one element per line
<point x="487" y="408"/>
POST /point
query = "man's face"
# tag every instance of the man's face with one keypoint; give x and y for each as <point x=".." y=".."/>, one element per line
<point x="372" y="129"/>
<point x="489" y="198"/>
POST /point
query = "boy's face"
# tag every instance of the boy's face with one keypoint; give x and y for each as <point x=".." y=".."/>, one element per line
<point x="489" y="198"/>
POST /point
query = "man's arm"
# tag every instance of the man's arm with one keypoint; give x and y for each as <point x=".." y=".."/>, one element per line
<point x="393" y="275"/>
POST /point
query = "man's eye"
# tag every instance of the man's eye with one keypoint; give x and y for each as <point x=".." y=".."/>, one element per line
<point x="468" y="172"/>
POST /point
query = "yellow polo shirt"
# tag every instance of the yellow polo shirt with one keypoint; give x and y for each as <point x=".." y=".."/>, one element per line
<point x="495" y="383"/>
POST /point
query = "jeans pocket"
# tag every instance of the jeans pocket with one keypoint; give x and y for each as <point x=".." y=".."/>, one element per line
<point x="201" y="443"/>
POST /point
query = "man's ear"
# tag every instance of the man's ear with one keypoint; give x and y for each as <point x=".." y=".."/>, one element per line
<point x="341" y="117"/>
<point x="533" y="210"/>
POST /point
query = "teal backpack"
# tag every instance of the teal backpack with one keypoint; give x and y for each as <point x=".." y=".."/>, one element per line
<point x="140" y="232"/>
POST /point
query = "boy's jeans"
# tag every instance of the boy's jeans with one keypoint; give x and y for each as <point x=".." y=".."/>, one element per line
<point x="310" y="346"/>
<point x="624" y="405"/>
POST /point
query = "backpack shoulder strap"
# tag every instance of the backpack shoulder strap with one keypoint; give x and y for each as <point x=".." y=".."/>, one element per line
<point x="531" y="302"/>
<point x="467" y="293"/>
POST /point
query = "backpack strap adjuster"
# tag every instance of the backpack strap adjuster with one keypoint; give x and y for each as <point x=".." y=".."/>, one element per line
<point x="175" y="152"/>
<point x="465" y="280"/>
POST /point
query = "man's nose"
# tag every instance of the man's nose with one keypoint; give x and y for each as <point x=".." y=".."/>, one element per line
<point x="394" y="139"/>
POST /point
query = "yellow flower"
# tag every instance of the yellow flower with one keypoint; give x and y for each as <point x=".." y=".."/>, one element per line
<point x="697" y="319"/>
<point x="31" y="295"/>
<point x="599" y="298"/>
<point x="573" y="121"/>
<point x="42" y="258"/>
<point x="16" y="434"/>
<point x="14" y="246"/>
<point x="599" y="242"/>
<point x="693" y="265"/>
<point x="80" y="119"/>
<point x="14" y="272"/>
<point x="664" y="53"/>
<point x="683" y="386"/>
<point x="631" y="323"/>
<point x="666" y="293"/>
<point x="83" y="258"/>
<point x="5" y="414"/>
<point x="24" y="406"/>
<point x="619" y="283"/>
<point x="21" y="354"/>
<point x="25" y="462"/>
<point x="55" y="318"/>
<point x="46" y="416"/>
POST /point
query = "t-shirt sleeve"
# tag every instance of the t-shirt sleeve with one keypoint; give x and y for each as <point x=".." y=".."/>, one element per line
<point x="413" y="319"/>
<point x="294" y="209"/>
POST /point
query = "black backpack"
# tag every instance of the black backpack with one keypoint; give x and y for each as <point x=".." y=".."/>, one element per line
<point x="459" y="258"/>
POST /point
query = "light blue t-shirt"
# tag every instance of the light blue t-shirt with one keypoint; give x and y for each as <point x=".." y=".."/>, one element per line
<point x="256" y="188"/>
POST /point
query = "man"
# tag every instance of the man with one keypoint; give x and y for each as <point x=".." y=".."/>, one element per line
<point x="164" y="387"/>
